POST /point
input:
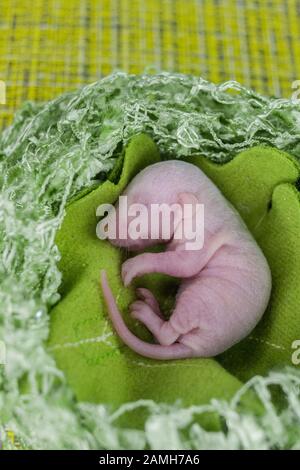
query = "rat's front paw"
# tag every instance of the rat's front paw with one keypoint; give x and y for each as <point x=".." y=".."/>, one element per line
<point x="130" y="270"/>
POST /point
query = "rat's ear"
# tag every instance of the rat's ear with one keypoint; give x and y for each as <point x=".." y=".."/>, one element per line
<point x="188" y="198"/>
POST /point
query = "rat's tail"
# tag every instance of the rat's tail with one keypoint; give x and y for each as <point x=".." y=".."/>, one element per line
<point x="154" y="351"/>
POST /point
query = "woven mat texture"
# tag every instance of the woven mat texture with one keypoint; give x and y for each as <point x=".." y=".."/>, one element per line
<point x="47" y="47"/>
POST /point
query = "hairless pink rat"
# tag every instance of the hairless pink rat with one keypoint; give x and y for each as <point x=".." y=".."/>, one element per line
<point x="225" y="285"/>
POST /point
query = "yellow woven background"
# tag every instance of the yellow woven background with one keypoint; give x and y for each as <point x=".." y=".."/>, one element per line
<point x="49" y="46"/>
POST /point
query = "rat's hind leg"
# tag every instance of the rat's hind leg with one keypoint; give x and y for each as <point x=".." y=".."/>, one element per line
<point x="147" y="296"/>
<point x="162" y="330"/>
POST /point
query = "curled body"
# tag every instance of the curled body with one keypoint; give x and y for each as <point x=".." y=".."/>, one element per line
<point x="225" y="285"/>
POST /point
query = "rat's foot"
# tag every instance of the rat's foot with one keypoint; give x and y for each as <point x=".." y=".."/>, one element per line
<point x="139" y="265"/>
<point x="130" y="269"/>
<point x="147" y="296"/>
<point x="161" y="330"/>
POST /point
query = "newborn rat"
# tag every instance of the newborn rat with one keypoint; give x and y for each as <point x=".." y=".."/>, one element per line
<point x="225" y="285"/>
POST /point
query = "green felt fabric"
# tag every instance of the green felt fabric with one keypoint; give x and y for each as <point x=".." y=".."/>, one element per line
<point x="261" y="184"/>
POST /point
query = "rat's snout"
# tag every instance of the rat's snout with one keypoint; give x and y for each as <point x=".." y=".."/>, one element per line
<point x="133" y="224"/>
<point x="130" y="234"/>
<point x="118" y="229"/>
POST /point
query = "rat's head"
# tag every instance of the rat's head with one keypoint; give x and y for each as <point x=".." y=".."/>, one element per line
<point x="149" y="210"/>
<point x="137" y="220"/>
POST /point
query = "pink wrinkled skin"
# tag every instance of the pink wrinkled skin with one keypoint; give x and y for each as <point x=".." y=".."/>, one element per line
<point x="225" y="286"/>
